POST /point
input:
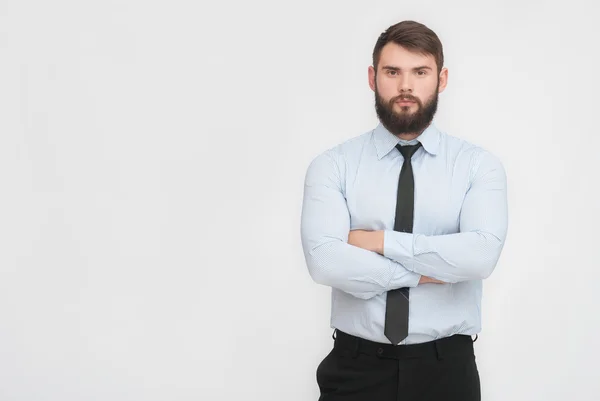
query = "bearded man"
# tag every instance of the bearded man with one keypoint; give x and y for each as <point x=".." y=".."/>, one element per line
<point x="404" y="222"/>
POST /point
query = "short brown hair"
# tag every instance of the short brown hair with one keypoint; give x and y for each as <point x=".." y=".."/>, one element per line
<point x="413" y="36"/>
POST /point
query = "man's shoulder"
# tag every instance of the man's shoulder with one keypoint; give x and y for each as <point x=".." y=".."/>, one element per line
<point x="353" y="143"/>
<point x="470" y="152"/>
<point x="347" y="148"/>
<point x="464" y="147"/>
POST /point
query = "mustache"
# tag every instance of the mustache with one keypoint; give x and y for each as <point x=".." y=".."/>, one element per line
<point x="405" y="97"/>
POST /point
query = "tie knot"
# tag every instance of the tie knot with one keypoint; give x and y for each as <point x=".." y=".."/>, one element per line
<point x="409" y="150"/>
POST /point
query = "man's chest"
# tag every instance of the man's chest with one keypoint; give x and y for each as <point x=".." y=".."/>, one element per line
<point x="371" y="194"/>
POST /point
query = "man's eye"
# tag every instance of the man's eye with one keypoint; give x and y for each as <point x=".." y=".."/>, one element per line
<point x="422" y="72"/>
<point x="392" y="72"/>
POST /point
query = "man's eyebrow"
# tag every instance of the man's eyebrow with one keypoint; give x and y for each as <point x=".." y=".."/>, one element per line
<point x="393" y="68"/>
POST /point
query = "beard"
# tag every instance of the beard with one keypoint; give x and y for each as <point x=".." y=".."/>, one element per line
<point x="405" y="122"/>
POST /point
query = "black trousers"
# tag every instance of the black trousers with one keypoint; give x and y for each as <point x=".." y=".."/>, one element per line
<point x="362" y="370"/>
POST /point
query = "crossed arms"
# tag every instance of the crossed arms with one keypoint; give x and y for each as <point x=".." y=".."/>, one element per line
<point x="368" y="263"/>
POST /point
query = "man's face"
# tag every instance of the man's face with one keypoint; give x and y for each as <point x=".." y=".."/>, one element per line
<point x="406" y="88"/>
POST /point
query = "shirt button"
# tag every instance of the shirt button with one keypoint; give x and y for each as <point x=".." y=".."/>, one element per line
<point x="380" y="351"/>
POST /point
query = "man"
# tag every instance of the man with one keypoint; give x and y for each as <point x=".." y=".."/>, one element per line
<point x="403" y="223"/>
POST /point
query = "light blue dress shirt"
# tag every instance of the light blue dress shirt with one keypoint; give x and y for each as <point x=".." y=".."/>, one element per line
<point x="460" y="225"/>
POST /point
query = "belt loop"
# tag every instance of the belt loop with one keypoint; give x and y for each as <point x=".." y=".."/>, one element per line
<point x="333" y="334"/>
<point x="476" y="337"/>
<point x="438" y="350"/>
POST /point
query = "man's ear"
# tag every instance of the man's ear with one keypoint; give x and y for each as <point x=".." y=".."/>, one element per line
<point x="443" y="80"/>
<point x="372" y="78"/>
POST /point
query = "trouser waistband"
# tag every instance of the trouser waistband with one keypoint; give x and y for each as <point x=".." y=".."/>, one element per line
<point x="457" y="344"/>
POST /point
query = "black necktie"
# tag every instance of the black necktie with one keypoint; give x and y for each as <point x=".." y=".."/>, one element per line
<point x="396" y="310"/>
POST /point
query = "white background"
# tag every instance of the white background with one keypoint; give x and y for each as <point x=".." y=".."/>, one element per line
<point x="152" y="157"/>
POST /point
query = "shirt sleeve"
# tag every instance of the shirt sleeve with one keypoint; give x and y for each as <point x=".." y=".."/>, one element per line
<point x="325" y="226"/>
<point x="473" y="252"/>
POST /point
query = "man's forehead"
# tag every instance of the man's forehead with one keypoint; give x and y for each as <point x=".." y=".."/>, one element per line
<point x="399" y="56"/>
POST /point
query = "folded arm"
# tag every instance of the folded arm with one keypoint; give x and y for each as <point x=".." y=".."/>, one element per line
<point x="472" y="253"/>
<point x="325" y="225"/>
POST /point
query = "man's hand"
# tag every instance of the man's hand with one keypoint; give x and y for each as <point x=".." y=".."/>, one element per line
<point x="425" y="280"/>
<point x="373" y="241"/>
<point x="369" y="240"/>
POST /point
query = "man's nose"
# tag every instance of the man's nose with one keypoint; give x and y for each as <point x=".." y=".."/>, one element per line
<point x="405" y="84"/>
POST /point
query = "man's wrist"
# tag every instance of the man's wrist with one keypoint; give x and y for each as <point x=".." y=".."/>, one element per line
<point x="379" y="241"/>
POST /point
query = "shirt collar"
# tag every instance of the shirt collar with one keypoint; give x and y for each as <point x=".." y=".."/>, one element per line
<point x="385" y="141"/>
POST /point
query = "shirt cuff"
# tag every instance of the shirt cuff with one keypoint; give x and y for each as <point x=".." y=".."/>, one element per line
<point x="411" y="280"/>
<point x="398" y="246"/>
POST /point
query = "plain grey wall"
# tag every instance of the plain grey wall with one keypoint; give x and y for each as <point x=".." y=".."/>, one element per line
<point x="152" y="156"/>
